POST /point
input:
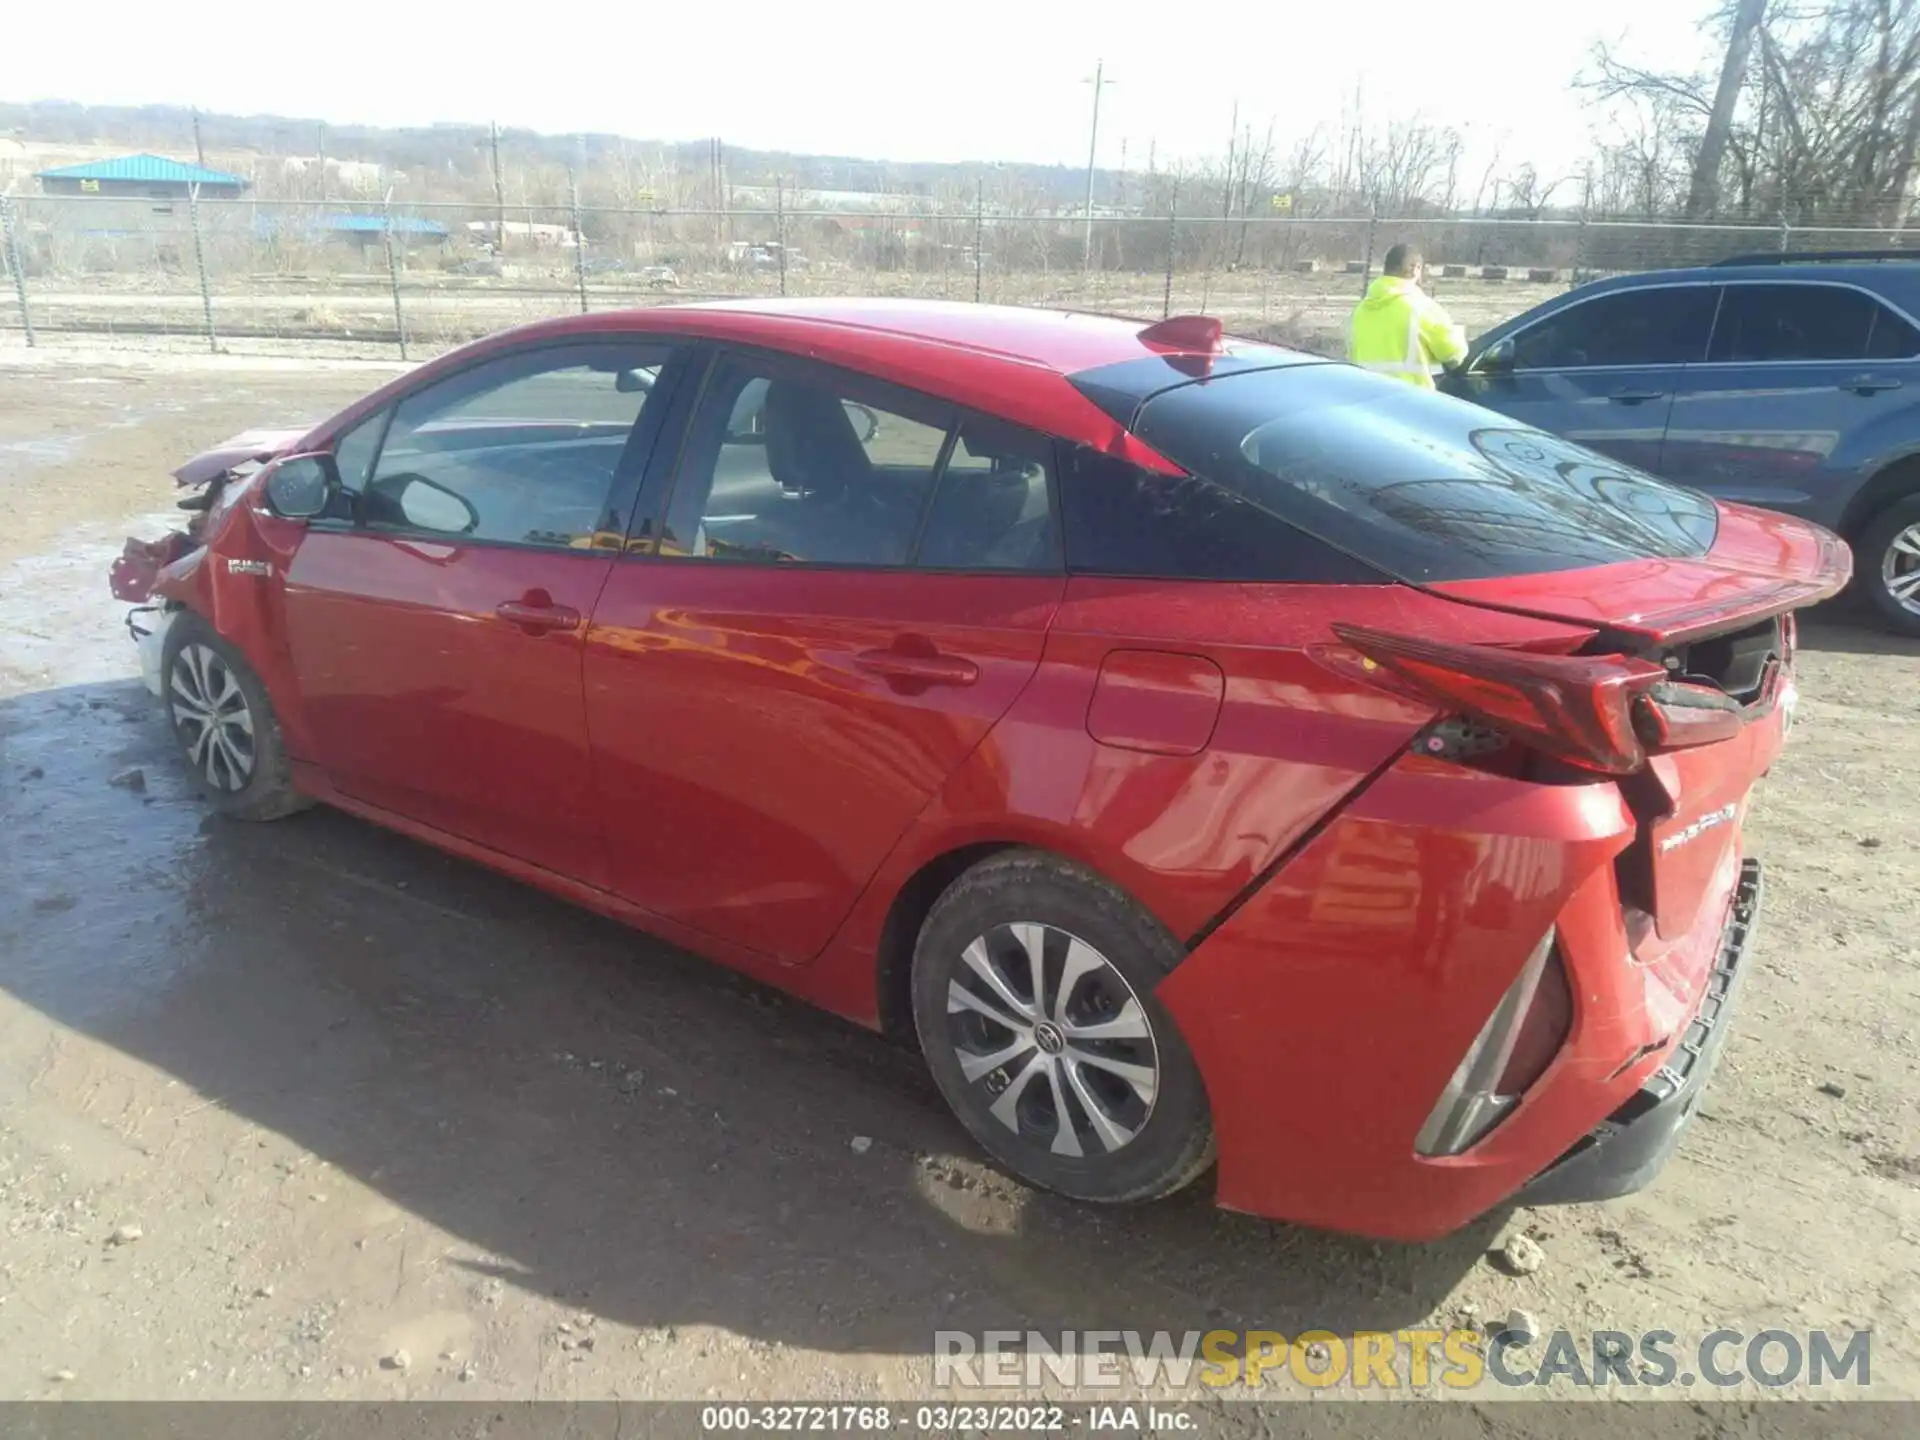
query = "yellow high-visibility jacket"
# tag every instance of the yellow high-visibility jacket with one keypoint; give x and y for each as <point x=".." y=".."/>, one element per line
<point x="1400" y="330"/>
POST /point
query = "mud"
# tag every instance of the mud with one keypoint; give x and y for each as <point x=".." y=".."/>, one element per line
<point x="360" y="1098"/>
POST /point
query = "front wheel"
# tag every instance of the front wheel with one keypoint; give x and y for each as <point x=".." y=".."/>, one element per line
<point x="224" y="723"/>
<point x="1887" y="564"/>
<point x="1033" y="997"/>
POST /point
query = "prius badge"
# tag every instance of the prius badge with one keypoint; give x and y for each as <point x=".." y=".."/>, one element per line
<point x="1699" y="827"/>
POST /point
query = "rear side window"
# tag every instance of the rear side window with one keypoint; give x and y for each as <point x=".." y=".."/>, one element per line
<point x="993" y="507"/>
<point x="1417" y="484"/>
<point x="803" y="465"/>
<point x="1786" y="322"/>
<point x="1663" y="326"/>
<point x="1122" y="520"/>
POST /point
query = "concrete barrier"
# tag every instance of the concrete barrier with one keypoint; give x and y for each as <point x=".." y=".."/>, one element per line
<point x="1453" y="272"/>
<point x="1306" y="267"/>
<point x="1543" y="277"/>
<point x="1493" y="272"/>
<point x="1356" y="267"/>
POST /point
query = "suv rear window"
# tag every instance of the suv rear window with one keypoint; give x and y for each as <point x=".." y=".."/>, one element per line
<point x="1422" y="486"/>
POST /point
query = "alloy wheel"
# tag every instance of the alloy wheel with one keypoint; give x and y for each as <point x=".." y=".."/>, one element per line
<point x="210" y="711"/>
<point x="1054" y="1039"/>
<point x="1900" y="569"/>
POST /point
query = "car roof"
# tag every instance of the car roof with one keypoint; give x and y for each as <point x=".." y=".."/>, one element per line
<point x="1868" y="274"/>
<point x="1064" y="341"/>
<point x="1007" y="360"/>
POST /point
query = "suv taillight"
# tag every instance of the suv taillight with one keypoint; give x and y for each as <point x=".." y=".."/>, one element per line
<point x="1511" y="1052"/>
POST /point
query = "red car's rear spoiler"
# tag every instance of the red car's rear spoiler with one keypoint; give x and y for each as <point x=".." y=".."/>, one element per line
<point x="1762" y="564"/>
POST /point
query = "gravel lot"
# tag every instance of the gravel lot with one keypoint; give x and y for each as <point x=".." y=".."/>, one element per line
<point x="311" y="1110"/>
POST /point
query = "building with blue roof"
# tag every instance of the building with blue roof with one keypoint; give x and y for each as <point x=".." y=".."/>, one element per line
<point x="142" y="177"/>
<point x="376" y="226"/>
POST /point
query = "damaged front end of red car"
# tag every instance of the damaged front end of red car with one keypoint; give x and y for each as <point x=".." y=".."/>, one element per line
<point x="149" y="574"/>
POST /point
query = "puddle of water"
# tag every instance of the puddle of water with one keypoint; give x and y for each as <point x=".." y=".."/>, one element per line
<point x="48" y="451"/>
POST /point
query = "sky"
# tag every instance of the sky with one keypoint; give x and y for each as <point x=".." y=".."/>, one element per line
<point x="908" y="80"/>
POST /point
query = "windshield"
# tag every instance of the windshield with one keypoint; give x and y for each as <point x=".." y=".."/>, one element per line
<point x="1423" y="486"/>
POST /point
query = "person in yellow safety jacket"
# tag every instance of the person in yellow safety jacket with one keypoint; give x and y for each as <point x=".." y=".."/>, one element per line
<point x="1399" y="329"/>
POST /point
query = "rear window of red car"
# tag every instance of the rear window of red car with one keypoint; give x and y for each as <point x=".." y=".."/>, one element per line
<point x="1420" y="485"/>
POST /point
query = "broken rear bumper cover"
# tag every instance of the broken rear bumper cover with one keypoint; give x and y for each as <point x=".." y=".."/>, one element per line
<point x="1629" y="1148"/>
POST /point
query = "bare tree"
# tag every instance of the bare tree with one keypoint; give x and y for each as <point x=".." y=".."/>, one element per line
<point x="1825" y="124"/>
<point x="1704" y="192"/>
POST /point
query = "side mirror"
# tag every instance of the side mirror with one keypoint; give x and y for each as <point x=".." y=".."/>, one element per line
<point x="428" y="506"/>
<point x="1496" y="359"/>
<point x="634" y="382"/>
<point x="301" y="486"/>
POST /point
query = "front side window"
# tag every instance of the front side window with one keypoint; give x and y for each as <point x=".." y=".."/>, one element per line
<point x="354" y="451"/>
<point x="1664" y="325"/>
<point x="1787" y="322"/>
<point x="786" y="466"/>
<point x="521" y="450"/>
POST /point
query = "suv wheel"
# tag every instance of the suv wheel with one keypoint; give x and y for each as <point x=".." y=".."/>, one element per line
<point x="1033" y="998"/>
<point x="1887" y="562"/>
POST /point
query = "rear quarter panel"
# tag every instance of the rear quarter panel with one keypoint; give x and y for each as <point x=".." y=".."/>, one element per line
<point x="1185" y="834"/>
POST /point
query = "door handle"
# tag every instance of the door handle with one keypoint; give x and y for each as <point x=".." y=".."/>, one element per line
<point x="537" y="619"/>
<point x="907" y="671"/>
<point x="1869" y="384"/>
<point x="1636" y="397"/>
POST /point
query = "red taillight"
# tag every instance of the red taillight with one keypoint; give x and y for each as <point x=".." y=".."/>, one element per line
<point x="1578" y="707"/>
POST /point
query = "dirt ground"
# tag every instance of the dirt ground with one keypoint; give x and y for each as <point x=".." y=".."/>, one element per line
<point x="355" y="1098"/>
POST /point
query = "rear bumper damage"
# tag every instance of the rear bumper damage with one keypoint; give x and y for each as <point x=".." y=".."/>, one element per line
<point x="1631" y="1146"/>
<point x="1379" y="951"/>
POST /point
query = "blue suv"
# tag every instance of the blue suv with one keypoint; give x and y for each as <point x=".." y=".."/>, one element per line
<point x="1789" y="381"/>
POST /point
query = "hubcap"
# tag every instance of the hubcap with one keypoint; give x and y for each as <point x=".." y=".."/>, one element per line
<point x="1900" y="569"/>
<point x="210" y="712"/>
<point x="1054" y="1038"/>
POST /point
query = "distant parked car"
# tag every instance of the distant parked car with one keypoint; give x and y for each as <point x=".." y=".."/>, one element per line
<point x="1789" y="381"/>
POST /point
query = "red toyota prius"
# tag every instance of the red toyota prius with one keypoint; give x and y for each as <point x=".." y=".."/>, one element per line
<point x="1207" y="753"/>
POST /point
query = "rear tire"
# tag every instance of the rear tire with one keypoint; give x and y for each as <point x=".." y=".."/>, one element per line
<point x="1886" y="561"/>
<point x="224" y="724"/>
<point x="1069" y="1071"/>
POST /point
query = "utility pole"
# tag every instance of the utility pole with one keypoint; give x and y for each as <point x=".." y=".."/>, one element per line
<point x="1233" y="140"/>
<point x="1099" y="82"/>
<point x="499" y="192"/>
<point x="320" y="148"/>
<point x="199" y="149"/>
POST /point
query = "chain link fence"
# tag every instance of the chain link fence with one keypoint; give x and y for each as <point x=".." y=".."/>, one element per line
<point x="407" y="281"/>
